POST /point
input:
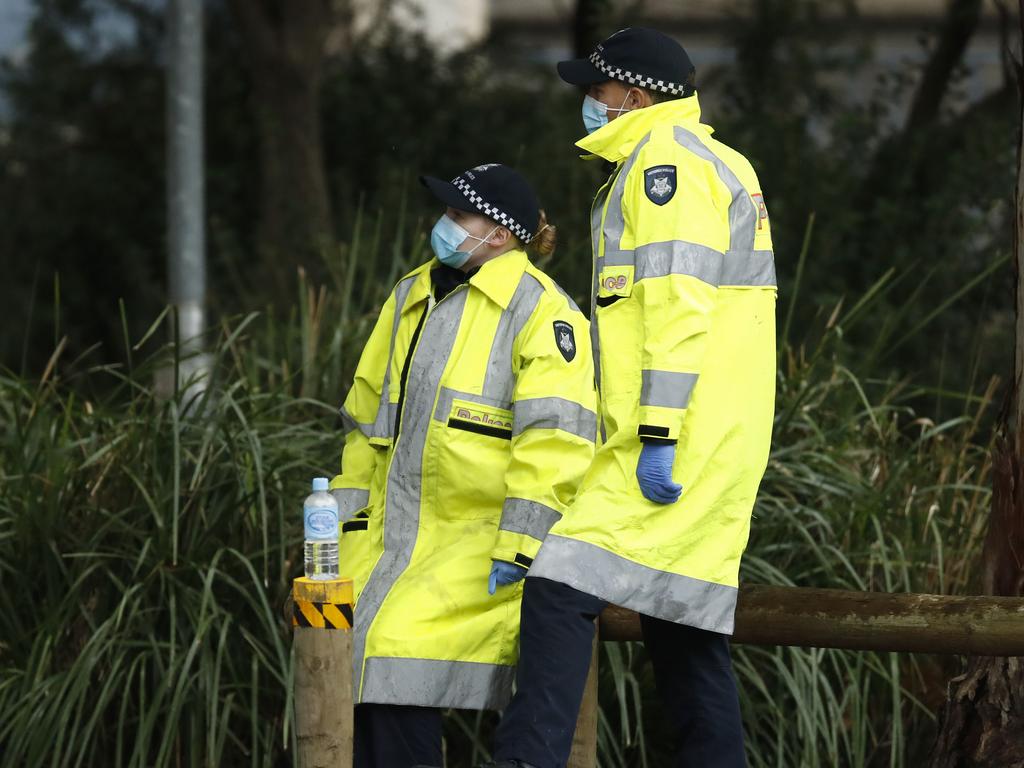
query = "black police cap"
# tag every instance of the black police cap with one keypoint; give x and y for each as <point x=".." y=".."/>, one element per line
<point x="494" y="190"/>
<point x="635" y="55"/>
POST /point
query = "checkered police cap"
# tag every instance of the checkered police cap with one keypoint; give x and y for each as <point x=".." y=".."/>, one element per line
<point x="639" y="56"/>
<point x="496" y="191"/>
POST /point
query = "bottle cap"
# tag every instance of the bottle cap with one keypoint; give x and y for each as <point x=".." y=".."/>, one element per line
<point x="320" y="483"/>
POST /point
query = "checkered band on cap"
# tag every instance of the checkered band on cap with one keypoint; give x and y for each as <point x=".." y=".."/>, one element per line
<point x="618" y="73"/>
<point x="486" y="208"/>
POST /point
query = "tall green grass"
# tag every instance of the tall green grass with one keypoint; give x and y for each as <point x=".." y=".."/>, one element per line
<point x="148" y="539"/>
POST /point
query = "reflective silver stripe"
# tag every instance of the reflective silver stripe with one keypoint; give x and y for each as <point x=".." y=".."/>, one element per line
<point x="742" y="212"/>
<point x="596" y="212"/>
<point x="435" y="683"/>
<point x="614" y="220"/>
<point x="350" y="501"/>
<point x="623" y="582"/>
<point x="743" y="266"/>
<point x="554" y="413"/>
<point x="529" y="517"/>
<point x="498" y="379"/>
<point x="606" y="217"/>
<point x="749" y="270"/>
<point x="678" y="257"/>
<point x="447" y="396"/>
<point x="384" y="424"/>
<point x="405" y="474"/>
<point x="350" y="424"/>
<point x="666" y="389"/>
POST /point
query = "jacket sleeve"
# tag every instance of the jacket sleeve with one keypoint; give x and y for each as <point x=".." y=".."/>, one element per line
<point x="359" y="416"/>
<point x="679" y="245"/>
<point x="554" y="427"/>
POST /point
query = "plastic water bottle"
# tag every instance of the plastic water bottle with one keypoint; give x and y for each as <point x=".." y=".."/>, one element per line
<point x="320" y="513"/>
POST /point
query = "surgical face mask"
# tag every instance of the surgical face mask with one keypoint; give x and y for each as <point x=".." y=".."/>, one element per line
<point x="595" y="113"/>
<point x="447" y="236"/>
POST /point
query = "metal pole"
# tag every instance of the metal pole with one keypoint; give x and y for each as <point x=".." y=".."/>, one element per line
<point x="186" y="235"/>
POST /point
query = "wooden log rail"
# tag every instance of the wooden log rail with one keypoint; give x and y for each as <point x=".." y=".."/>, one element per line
<point x="863" y="621"/>
<point x="835" y="618"/>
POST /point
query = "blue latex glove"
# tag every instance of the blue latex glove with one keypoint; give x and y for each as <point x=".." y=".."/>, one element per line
<point x="503" y="574"/>
<point x="654" y="472"/>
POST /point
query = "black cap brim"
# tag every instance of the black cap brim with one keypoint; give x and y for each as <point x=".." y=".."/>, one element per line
<point x="447" y="193"/>
<point x="580" y="72"/>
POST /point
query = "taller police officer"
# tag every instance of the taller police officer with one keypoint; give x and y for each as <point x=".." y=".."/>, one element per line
<point x="683" y="330"/>
<point x="470" y="424"/>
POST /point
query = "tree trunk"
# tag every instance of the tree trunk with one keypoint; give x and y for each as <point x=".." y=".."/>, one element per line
<point x="587" y="25"/>
<point x="285" y="47"/>
<point x="982" y="722"/>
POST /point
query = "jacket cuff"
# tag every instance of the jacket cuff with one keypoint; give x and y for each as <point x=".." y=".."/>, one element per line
<point x="660" y="422"/>
<point x="517" y="548"/>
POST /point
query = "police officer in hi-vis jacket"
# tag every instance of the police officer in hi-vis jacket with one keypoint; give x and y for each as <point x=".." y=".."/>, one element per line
<point x="470" y="424"/>
<point x="683" y="333"/>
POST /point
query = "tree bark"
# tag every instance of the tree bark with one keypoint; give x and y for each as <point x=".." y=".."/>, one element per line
<point x="285" y="47"/>
<point x="982" y="722"/>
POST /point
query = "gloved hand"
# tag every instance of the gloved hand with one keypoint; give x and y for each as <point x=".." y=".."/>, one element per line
<point x="654" y="472"/>
<point x="503" y="574"/>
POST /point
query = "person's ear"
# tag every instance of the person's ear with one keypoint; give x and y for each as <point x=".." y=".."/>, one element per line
<point x="500" y="237"/>
<point x="638" y="98"/>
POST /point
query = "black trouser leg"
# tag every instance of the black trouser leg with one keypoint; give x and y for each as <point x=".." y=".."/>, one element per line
<point x="393" y="736"/>
<point x="693" y="673"/>
<point x="556" y="634"/>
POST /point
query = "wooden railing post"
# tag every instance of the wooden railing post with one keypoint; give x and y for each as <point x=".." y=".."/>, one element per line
<point x="322" y="621"/>
<point x="584" y="741"/>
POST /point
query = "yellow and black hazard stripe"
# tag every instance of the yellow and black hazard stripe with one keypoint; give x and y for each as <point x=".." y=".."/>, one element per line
<point x="307" y="613"/>
<point x="322" y="604"/>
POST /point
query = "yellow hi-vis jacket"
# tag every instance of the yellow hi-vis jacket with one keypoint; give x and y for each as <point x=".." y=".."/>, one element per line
<point x="471" y="422"/>
<point x="683" y="329"/>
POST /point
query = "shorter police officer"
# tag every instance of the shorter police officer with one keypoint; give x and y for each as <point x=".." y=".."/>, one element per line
<point x="470" y="423"/>
<point x="683" y="328"/>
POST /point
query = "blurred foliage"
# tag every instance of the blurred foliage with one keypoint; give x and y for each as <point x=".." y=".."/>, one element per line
<point x="82" y="179"/>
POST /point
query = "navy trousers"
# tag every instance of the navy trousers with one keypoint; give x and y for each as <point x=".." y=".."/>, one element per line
<point x="692" y="668"/>
<point x="393" y="736"/>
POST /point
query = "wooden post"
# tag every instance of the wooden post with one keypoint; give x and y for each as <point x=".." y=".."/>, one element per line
<point x="584" y="741"/>
<point x="322" y="621"/>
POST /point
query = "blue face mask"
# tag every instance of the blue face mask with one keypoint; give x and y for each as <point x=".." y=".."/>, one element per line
<point x="595" y="113"/>
<point x="447" y="236"/>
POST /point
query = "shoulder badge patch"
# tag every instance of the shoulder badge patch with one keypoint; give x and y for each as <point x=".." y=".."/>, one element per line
<point x="565" y="340"/>
<point x="660" y="183"/>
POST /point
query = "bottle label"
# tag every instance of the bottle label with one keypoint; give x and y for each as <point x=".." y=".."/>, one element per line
<point x="321" y="522"/>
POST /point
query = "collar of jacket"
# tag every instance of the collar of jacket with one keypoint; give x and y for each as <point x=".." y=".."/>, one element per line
<point x="497" y="279"/>
<point x="616" y="141"/>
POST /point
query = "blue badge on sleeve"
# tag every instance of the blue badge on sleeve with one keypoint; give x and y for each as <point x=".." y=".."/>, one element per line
<point x="565" y="339"/>
<point x="660" y="183"/>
